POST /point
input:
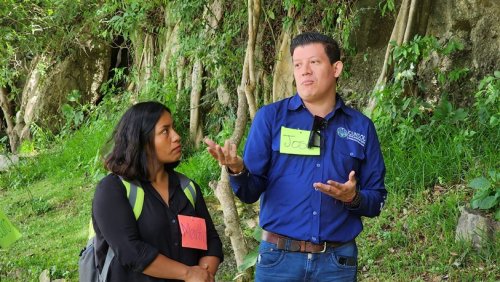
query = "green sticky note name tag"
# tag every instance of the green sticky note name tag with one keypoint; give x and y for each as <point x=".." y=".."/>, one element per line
<point x="294" y="141"/>
<point x="8" y="233"/>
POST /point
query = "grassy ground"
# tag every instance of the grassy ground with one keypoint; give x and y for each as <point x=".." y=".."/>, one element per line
<point x="48" y="198"/>
<point x="413" y="239"/>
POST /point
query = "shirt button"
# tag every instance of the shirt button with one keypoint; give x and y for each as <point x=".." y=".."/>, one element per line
<point x="351" y="154"/>
<point x="176" y="244"/>
<point x="315" y="213"/>
<point x="173" y="221"/>
<point x="313" y="238"/>
<point x="318" y="165"/>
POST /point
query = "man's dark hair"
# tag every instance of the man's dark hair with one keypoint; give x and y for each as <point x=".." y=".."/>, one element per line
<point x="133" y="140"/>
<point x="332" y="49"/>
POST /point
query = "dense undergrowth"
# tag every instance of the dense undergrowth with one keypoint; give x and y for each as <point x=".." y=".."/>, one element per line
<point x="433" y="149"/>
<point x="434" y="145"/>
<point x="48" y="195"/>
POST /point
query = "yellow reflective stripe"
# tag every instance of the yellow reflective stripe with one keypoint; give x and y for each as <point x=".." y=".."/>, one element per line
<point x="139" y="201"/>
<point x="190" y="192"/>
<point x="139" y="198"/>
<point x="91" y="229"/>
<point x="136" y="206"/>
<point x="127" y="187"/>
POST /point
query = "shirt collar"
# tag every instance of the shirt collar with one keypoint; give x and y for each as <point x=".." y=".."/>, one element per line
<point x="296" y="102"/>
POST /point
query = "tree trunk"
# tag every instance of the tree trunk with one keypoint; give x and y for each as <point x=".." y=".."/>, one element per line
<point x="144" y="58"/>
<point x="31" y="98"/>
<point x="283" y="71"/>
<point x="181" y="64"/>
<point x="412" y="19"/>
<point x="170" y="44"/>
<point x="248" y="77"/>
<point x="194" y="117"/>
<point x="9" y="119"/>
<point x="225" y="196"/>
<point x="245" y="93"/>
<point x="212" y="15"/>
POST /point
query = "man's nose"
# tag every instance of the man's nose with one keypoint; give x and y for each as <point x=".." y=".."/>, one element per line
<point x="306" y="69"/>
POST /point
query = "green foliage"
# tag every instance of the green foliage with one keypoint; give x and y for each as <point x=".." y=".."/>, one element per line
<point x="407" y="115"/>
<point x="430" y="147"/>
<point x="488" y="101"/>
<point x="335" y="18"/>
<point x="125" y="17"/>
<point x="251" y="258"/>
<point x="156" y="89"/>
<point x="386" y="6"/>
<point x="487" y="193"/>
<point x="452" y="76"/>
<point x="27" y="147"/>
<point x="112" y="86"/>
<point x="202" y="168"/>
<point x="73" y="111"/>
<point x="414" y="237"/>
<point x="414" y="131"/>
<point x="405" y="57"/>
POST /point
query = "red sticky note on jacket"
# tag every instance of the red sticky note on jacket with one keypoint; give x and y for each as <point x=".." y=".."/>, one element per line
<point x="193" y="231"/>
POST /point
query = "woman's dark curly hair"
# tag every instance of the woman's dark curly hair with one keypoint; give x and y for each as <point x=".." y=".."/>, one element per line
<point x="133" y="140"/>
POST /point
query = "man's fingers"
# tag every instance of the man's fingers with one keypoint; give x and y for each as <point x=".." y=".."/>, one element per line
<point x="324" y="187"/>
<point x="212" y="152"/>
<point x="220" y="153"/>
<point x="352" y="176"/>
<point x="226" y="154"/>
<point x="212" y="148"/>
<point x="232" y="151"/>
<point x="210" y="143"/>
<point x="227" y="150"/>
<point x="334" y="184"/>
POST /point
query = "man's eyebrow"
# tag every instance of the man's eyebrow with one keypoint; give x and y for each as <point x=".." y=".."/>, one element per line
<point x="311" y="57"/>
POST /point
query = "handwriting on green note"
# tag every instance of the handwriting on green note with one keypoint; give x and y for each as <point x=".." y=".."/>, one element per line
<point x="294" y="141"/>
<point x="8" y="233"/>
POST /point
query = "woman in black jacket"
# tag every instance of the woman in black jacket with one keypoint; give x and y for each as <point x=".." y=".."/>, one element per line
<point x="152" y="247"/>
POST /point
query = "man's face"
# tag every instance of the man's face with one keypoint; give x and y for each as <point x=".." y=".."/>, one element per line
<point x="314" y="75"/>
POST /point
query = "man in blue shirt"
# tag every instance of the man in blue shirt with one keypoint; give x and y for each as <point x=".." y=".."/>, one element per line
<point x="316" y="166"/>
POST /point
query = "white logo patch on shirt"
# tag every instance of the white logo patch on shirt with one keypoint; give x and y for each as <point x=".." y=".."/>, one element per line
<point x="351" y="135"/>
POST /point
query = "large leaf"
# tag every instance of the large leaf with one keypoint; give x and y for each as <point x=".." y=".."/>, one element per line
<point x="479" y="183"/>
<point x="257" y="233"/>
<point x="249" y="260"/>
<point x="487" y="203"/>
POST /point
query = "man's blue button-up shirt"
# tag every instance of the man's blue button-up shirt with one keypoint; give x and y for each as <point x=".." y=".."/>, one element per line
<point x="289" y="204"/>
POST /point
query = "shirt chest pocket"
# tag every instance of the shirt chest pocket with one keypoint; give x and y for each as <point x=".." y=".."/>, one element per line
<point x="347" y="156"/>
<point x="283" y="164"/>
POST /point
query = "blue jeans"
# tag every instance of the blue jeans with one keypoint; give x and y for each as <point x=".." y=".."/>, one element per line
<point x="335" y="264"/>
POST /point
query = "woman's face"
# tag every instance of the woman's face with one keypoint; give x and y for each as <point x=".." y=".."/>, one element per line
<point x="167" y="143"/>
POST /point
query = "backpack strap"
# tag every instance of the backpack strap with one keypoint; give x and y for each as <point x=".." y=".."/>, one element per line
<point x="135" y="195"/>
<point x="107" y="262"/>
<point x="188" y="187"/>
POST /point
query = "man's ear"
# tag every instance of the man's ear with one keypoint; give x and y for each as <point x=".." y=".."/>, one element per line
<point x="337" y="68"/>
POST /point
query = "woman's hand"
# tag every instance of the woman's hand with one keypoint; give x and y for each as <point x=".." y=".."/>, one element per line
<point x="199" y="274"/>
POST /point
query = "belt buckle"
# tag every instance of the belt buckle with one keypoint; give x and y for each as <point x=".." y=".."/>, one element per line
<point x="322" y="251"/>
